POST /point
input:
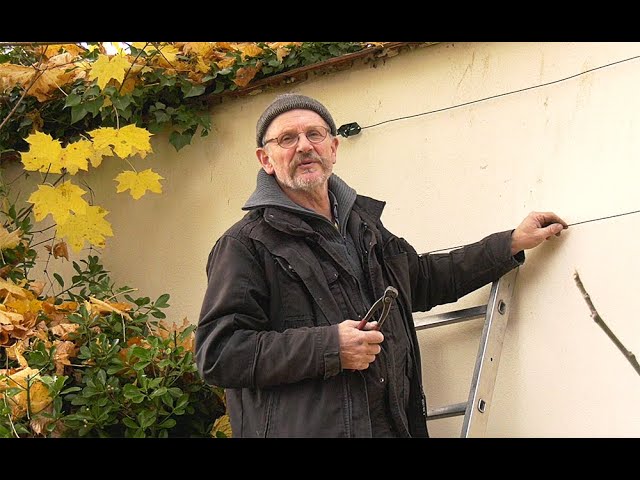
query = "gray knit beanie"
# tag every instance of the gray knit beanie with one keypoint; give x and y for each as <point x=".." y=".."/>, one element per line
<point x="291" y="101"/>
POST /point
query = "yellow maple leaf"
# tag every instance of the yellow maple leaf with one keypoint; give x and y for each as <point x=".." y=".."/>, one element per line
<point x="43" y="152"/>
<point x="98" y="152"/>
<point x="146" y="46"/>
<point x="202" y="66"/>
<point x="88" y="226"/>
<point x="200" y="49"/>
<point x="9" y="239"/>
<point x="167" y="55"/>
<point x="105" y="68"/>
<point x="47" y="154"/>
<point x="249" y="50"/>
<point x="58" y="201"/>
<point x="139" y="183"/>
<point x="75" y="156"/>
<point x="133" y="140"/>
<point x="25" y="305"/>
<point x="124" y="142"/>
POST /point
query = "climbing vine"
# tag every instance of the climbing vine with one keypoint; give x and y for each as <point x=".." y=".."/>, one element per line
<point x="163" y="87"/>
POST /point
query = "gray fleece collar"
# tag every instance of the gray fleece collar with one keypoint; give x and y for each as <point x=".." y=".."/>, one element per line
<point x="269" y="194"/>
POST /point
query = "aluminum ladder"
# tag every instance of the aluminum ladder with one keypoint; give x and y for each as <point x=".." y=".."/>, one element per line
<point x="496" y="314"/>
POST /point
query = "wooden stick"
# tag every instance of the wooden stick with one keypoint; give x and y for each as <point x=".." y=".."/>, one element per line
<point x="598" y="319"/>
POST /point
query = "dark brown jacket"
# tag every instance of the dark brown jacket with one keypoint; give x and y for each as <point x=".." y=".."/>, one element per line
<point x="277" y="290"/>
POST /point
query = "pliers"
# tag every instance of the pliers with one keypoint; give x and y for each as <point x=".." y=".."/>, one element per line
<point x="384" y="303"/>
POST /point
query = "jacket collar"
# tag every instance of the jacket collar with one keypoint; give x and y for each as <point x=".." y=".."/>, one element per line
<point x="269" y="194"/>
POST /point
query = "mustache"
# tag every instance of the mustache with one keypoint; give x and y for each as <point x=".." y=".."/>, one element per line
<point x="301" y="157"/>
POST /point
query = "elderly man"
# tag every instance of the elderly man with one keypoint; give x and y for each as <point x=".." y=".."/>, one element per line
<point x="288" y="283"/>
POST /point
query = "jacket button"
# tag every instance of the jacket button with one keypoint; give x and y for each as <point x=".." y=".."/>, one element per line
<point x="381" y="379"/>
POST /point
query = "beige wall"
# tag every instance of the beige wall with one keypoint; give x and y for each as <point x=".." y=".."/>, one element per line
<point x="450" y="178"/>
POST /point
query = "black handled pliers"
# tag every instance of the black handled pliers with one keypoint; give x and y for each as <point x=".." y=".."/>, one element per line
<point x="384" y="303"/>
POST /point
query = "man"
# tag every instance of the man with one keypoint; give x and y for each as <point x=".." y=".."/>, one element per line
<point x="288" y="283"/>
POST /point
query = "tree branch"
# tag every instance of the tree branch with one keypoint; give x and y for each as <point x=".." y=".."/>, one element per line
<point x="598" y="319"/>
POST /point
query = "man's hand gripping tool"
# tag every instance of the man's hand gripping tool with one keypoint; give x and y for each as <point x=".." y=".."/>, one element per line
<point x="383" y="303"/>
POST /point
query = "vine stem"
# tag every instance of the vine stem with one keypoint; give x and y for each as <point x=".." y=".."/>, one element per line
<point x="13" y="428"/>
<point x="24" y="94"/>
<point x="598" y="319"/>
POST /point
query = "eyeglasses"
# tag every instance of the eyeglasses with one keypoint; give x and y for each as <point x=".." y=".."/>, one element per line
<point x="290" y="138"/>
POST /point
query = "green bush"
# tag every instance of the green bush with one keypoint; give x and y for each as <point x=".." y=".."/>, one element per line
<point x="77" y="363"/>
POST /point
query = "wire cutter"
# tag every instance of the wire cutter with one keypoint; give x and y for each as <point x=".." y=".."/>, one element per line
<point x="384" y="303"/>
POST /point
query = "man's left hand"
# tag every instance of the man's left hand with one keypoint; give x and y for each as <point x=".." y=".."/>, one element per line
<point x="535" y="229"/>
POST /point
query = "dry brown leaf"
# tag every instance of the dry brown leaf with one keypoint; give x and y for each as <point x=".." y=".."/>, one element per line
<point x="38" y="397"/>
<point x="4" y="271"/>
<point x="37" y="287"/>
<point x="166" y="329"/>
<point x="10" y="318"/>
<point x="245" y="74"/>
<point x="221" y="64"/>
<point x="50" y="307"/>
<point x="39" y="423"/>
<point x="46" y="83"/>
<point x="20" y="332"/>
<point x="12" y="75"/>
<point x="58" y="250"/>
<point x="5" y="339"/>
<point x="63" y="330"/>
<point x="64" y="350"/>
<point x="15" y="351"/>
<point x="222" y="425"/>
<point x="99" y="307"/>
<point x="129" y="84"/>
<point x="8" y="287"/>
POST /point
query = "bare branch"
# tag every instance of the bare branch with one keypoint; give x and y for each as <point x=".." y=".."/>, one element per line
<point x="598" y="319"/>
<point x="38" y="73"/>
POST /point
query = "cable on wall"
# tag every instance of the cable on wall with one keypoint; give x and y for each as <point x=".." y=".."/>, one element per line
<point x="351" y="129"/>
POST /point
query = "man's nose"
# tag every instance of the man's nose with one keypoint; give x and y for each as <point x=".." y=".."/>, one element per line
<point x="304" y="145"/>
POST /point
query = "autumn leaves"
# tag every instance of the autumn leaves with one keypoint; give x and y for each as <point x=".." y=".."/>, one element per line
<point x="77" y="221"/>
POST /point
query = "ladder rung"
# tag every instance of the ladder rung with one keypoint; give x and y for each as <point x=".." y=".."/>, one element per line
<point x="447" y="318"/>
<point x="447" y="411"/>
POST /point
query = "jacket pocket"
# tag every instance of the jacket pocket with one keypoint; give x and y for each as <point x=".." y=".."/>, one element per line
<point x="295" y="307"/>
<point x="268" y="414"/>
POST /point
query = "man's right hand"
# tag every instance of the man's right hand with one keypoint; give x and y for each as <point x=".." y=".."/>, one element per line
<point x="358" y="348"/>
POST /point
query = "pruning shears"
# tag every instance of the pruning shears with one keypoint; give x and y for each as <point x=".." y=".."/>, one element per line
<point x="384" y="303"/>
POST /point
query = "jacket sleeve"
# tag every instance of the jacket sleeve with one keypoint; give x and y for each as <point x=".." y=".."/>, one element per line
<point x="442" y="278"/>
<point x="234" y="344"/>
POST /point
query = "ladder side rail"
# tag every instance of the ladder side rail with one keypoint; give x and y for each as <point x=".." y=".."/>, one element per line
<point x="488" y="358"/>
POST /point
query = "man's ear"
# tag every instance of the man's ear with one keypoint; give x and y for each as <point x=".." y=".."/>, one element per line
<point x="265" y="160"/>
<point x="334" y="149"/>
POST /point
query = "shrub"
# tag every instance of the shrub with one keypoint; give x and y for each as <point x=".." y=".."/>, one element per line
<point x="91" y="360"/>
